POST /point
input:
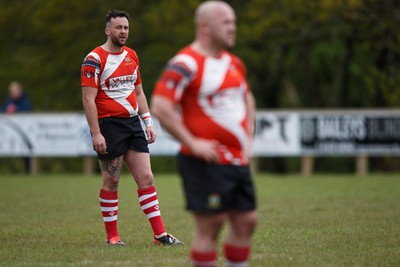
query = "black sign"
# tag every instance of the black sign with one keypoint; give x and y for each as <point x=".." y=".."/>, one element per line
<point x="350" y="134"/>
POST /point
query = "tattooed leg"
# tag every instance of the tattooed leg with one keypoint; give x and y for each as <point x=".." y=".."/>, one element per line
<point x="111" y="169"/>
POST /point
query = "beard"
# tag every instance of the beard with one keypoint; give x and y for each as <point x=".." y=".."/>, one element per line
<point x="116" y="42"/>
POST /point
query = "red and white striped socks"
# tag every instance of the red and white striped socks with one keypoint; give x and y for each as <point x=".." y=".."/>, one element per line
<point x="149" y="203"/>
<point x="109" y="211"/>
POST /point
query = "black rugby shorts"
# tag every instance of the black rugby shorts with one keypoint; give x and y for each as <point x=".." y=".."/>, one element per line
<point x="216" y="188"/>
<point x="122" y="134"/>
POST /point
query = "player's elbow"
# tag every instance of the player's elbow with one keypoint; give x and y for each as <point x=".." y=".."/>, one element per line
<point x="153" y="108"/>
<point x="159" y="106"/>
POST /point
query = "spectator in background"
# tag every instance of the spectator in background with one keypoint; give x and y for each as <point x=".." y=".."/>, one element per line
<point x="17" y="100"/>
<point x="207" y="84"/>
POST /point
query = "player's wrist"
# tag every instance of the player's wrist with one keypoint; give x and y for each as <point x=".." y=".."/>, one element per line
<point x="147" y="120"/>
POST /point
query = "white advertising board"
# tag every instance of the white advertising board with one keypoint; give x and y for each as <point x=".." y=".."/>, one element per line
<point x="67" y="134"/>
<point x="276" y="134"/>
<point x="165" y="144"/>
<point x="44" y="135"/>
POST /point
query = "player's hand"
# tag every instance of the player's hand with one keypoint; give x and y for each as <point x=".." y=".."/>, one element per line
<point x="205" y="150"/>
<point x="249" y="148"/>
<point x="151" y="134"/>
<point x="99" y="144"/>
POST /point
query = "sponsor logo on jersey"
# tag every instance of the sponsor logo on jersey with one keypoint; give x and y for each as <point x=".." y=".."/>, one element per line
<point x="227" y="96"/>
<point x="88" y="74"/>
<point x="121" y="82"/>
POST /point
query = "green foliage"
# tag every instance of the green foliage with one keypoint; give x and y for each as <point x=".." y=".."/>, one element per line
<point x="298" y="53"/>
<point x="303" y="54"/>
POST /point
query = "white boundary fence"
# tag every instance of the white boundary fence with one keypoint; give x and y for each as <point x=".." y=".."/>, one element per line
<point x="307" y="134"/>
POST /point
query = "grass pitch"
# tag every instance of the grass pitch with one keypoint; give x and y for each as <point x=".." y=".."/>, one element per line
<point x="329" y="220"/>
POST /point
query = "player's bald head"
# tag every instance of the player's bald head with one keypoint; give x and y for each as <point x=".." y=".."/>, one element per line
<point x="209" y="10"/>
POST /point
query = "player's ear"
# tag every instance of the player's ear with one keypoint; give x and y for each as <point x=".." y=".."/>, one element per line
<point x="204" y="27"/>
<point x="107" y="31"/>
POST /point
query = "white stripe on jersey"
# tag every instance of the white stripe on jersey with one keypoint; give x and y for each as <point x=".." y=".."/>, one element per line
<point x="191" y="63"/>
<point x="97" y="57"/>
<point x="122" y="92"/>
<point x="113" y="62"/>
<point x="228" y="108"/>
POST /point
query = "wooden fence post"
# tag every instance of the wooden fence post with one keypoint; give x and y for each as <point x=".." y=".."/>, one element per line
<point x="88" y="165"/>
<point x="307" y="165"/>
<point x="34" y="166"/>
<point x="254" y="162"/>
<point x="362" y="165"/>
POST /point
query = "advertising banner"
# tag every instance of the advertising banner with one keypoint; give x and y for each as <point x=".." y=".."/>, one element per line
<point x="276" y="134"/>
<point x="67" y="134"/>
<point x="44" y="135"/>
<point x="348" y="134"/>
<point x="165" y="144"/>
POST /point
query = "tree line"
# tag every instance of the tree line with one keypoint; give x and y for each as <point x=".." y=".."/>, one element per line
<point x="299" y="54"/>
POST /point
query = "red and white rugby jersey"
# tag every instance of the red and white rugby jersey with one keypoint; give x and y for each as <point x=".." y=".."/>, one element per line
<point x="211" y="92"/>
<point x="115" y="76"/>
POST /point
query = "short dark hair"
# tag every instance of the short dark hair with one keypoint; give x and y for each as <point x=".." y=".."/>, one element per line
<point x="115" y="13"/>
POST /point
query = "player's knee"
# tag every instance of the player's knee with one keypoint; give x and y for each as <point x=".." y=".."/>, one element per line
<point x="244" y="224"/>
<point x="250" y="220"/>
<point x="146" y="179"/>
<point x="114" y="182"/>
<point x="111" y="183"/>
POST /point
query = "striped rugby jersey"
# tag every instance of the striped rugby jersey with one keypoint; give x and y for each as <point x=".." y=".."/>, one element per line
<point x="212" y="95"/>
<point x="115" y="75"/>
